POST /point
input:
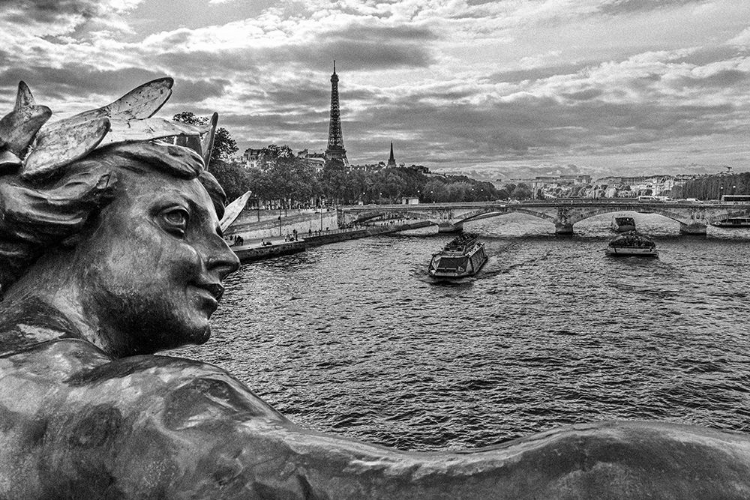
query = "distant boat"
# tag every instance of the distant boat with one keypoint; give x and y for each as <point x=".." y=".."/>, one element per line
<point x="632" y="244"/>
<point x="623" y="224"/>
<point x="733" y="222"/>
<point x="463" y="256"/>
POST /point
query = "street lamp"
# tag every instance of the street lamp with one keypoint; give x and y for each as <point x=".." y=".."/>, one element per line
<point x="721" y="193"/>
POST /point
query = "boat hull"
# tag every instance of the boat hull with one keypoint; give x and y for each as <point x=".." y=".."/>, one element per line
<point x="447" y="266"/>
<point x="632" y="252"/>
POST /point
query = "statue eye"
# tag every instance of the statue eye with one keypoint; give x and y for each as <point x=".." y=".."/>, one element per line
<point x="175" y="220"/>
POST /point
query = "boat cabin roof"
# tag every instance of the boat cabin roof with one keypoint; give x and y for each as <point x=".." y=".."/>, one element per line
<point x="461" y="243"/>
<point x="632" y="238"/>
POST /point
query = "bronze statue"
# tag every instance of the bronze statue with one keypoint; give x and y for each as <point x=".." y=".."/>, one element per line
<point x="111" y="250"/>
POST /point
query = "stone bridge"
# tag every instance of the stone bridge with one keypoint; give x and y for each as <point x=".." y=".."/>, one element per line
<point x="693" y="217"/>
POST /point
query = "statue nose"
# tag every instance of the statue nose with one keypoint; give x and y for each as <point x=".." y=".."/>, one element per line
<point x="223" y="260"/>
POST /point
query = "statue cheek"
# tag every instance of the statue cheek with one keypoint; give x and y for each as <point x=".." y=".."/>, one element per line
<point x="187" y="260"/>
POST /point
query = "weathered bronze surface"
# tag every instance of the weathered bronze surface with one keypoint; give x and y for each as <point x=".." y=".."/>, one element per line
<point x="110" y="255"/>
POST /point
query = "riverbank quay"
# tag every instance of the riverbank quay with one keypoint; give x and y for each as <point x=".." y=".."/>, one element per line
<point x="275" y="224"/>
<point x="264" y="248"/>
<point x="326" y="237"/>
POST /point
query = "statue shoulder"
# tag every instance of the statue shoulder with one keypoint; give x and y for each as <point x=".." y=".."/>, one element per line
<point x="181" y="388"/>
<point x="29" y="323"/>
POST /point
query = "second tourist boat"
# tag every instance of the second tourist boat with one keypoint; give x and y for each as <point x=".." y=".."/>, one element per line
<point x="623" y="224"/>
<point x="463" y="256"/>
<point x="733" y="222"/>
<point x="632" y="244"/>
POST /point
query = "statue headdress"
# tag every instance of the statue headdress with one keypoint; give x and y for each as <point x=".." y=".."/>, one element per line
<point x="48" y="190"/>
<point x="40" y="149"/>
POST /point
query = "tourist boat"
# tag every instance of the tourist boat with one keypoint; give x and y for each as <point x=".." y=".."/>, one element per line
<point x="733" y="222"/>
<point x="463" y="256"/>
<point x="623" y="224"/>
<point x="632" y="244"/>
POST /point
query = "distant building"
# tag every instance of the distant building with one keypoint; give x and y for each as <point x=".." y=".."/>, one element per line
<point x="370" y="167"/>
<point x="315" y="159"/>
<point x="420" y="168"/>
<point x="251" y="157"/>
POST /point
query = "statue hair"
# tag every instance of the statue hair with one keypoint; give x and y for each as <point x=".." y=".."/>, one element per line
<point x="44" y="213"/>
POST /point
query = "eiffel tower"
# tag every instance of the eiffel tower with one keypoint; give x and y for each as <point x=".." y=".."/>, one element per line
<point x="335" y="148"/>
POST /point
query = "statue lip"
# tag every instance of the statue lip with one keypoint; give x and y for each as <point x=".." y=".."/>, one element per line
<point x="215" y="289"/>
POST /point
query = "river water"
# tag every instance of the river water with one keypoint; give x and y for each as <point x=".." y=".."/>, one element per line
<point x="354" y="338"/>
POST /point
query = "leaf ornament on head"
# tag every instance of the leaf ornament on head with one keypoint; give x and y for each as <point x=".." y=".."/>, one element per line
<point x="18" y="128"/>
<point x="52" y="146"/>
<point x="204" y="143"/>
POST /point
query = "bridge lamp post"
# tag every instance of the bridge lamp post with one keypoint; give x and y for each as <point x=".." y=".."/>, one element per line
<point x="721" y="192"/>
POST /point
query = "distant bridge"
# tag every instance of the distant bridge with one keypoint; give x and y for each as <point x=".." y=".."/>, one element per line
<point x="563" y="213"/>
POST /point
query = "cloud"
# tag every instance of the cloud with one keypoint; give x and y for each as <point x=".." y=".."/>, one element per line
<point x="617" y="7"/>
<point x="460" y="83"/>
<point x="51" y="11"/>
<point x="50" y="18"/>
<point x="196" y="91"/>
<point x="61" y="84"/>
<point x="583" y="95"/>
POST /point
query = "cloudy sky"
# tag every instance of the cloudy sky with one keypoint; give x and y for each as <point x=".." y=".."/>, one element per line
<point x="510" y="87"/>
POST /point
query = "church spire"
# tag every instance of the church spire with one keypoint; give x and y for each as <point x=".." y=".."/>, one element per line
<point x="391" y="159"/>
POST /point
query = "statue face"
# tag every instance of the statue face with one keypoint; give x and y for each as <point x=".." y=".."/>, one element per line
<point x="150" y="273"/>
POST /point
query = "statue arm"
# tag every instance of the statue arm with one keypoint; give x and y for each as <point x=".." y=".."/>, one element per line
<point x="155" y="426"/>
<point x="150" y="425"/>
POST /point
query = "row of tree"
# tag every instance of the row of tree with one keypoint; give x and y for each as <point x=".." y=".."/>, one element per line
<point x="293" y="182"/>
<point x="713" y="187"/>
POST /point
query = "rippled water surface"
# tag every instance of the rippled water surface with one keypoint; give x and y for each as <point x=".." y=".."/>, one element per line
<point x="354" y="338"/>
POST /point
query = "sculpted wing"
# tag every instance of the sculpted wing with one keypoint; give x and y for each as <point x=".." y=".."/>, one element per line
<point x="18" y="128"/>
<point x="127" y="119"/>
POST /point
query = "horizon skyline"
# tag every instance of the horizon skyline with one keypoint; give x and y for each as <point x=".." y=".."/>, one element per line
<point x="506" y="88"/>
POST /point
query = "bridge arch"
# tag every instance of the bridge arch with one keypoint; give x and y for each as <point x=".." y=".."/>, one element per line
<point x="565" y="216"/>
<point x="693" y="218"/>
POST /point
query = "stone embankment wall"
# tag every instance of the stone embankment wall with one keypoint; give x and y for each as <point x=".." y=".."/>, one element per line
<point x="249" y="227"/>
<point x="248" y="254"/>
